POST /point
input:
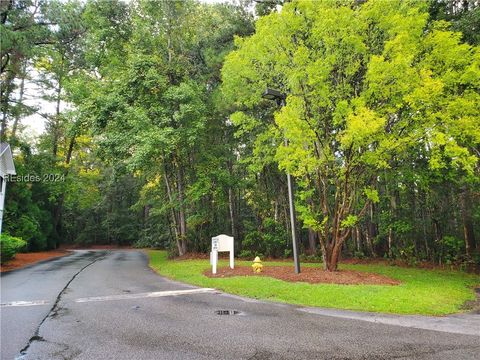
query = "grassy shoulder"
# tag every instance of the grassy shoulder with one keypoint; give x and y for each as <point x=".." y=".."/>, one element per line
<point x="426" y="292"/>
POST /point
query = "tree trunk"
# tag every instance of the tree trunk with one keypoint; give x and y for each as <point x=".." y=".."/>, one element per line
<point x="231" y="206"/>
<point x="468" y="229"/>
<point x="369" y="241"/>
<point x="5" y="91"/>
<point x="333" y="263"/>
<point x="332" y="249"/>
<point x="58" y="208"/>
<point x="438" y="238"/>
<point x="393" y="214"/>
<point x="390" y="242"/>
<point x="359" y="239"/>
<point x="275" y="210"/>
<point x="172" y="210"/>
<point x="312" y="238"/>
<point x="371" y="230"/>
<point x="182" y="220"/>
<point x="20" y="100"/>
<point x="56" y="120"/>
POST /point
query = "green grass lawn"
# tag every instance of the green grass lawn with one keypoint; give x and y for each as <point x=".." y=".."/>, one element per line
<point x="427" y="292"/>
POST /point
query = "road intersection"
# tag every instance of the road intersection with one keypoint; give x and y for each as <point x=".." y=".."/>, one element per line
<point x="111" y="305"/>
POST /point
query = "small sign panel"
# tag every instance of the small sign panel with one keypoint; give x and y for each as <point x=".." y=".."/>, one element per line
<point x="221" y="243"/>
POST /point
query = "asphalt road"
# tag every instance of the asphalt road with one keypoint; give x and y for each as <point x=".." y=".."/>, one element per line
<point x="110" y="305"/>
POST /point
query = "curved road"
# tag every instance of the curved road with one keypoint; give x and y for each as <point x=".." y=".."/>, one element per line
<point x="110" y="305"/>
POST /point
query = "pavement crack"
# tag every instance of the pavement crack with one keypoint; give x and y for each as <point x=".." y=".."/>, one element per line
<point x="54" y="309"/>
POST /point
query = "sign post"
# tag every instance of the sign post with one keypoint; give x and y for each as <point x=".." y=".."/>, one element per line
<point x="221" y="243"/>
<point x="6" y="168"/>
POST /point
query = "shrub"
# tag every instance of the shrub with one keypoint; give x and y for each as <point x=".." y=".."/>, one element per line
<point x="452" y="249"/>
<point x="9" y="246"/>
<point x="270" y="240"/>
<point x="246" y="254"/>
<point x="149" y="242"/>
<point x="172" y="250"/>
<point x="359" y="255"/>
<point x="310" y="258"/>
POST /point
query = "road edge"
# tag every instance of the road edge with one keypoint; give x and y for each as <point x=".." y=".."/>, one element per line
<point x="6" y="272"/>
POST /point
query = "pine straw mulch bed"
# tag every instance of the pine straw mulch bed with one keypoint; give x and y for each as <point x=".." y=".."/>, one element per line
<point x="24" y="259"/>
<point x="310" y="275"/>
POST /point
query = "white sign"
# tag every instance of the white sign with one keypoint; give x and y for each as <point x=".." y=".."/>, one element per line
<point x="7" y="168"/>
<point x="221" y="243"/>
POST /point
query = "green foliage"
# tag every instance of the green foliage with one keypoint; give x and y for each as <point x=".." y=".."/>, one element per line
<point x="372" y="195"/>
<point x="270" y="241"/>
<point x="9" y="246"/>
<point x="167" y="141"/>
<point x="451" y="249"/>
<point x="368" y="89"/>
<point x="464" y="17"/>
<point x="349" y="221"/>
<point x="311" y="258"/>
<point x="26" y="207"/>
<point x="247" y="254"/>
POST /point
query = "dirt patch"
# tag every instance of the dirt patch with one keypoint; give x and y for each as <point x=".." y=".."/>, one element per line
<point x="309" y="275"/>
<point x="23" y="259"/>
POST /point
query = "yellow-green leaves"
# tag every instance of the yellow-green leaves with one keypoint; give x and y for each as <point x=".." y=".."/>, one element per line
<point x="369" y="87"/>
<point x="243" y="122"/>
<point x="297" y="157"/>
<point x="371" y="194"/>
<point x="362" y="126"/>
<point x="349" y="221"/>
<point x="446" y="152"/>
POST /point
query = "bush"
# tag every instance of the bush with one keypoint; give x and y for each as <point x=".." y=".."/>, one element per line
<point x="452" y="249"/>
<point x="172" y="250"/>
<point x="149" y="242"/>
<point x="9" y="246"/>
<point x="310" y="258"/>
<point x="359" y="255"/>
<point x="246" y="254"/>
<point x="269" y="241"/>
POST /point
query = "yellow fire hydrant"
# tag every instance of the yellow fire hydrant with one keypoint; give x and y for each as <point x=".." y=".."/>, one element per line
<point x="257" y="265"/>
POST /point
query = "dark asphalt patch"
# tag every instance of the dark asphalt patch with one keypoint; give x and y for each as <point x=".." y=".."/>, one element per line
<point x="55" y="308"/>
<point x="227" y="312"/>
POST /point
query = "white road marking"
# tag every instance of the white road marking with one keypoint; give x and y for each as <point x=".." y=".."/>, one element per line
<point x="116" y="297"/>
<point x="24" y="303"/>
<point x="145" y="295"/>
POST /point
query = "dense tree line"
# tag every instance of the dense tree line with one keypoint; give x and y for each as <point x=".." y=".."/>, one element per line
<point x="160" y="136"/>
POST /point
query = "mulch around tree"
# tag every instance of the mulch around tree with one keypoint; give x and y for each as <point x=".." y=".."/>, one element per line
<point x="24" y="259"/>
<point x="310" y="275"/>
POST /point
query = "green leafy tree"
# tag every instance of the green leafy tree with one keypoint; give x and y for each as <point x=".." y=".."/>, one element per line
<point x="24" y="28"/>
<point x="365" y="83"/>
